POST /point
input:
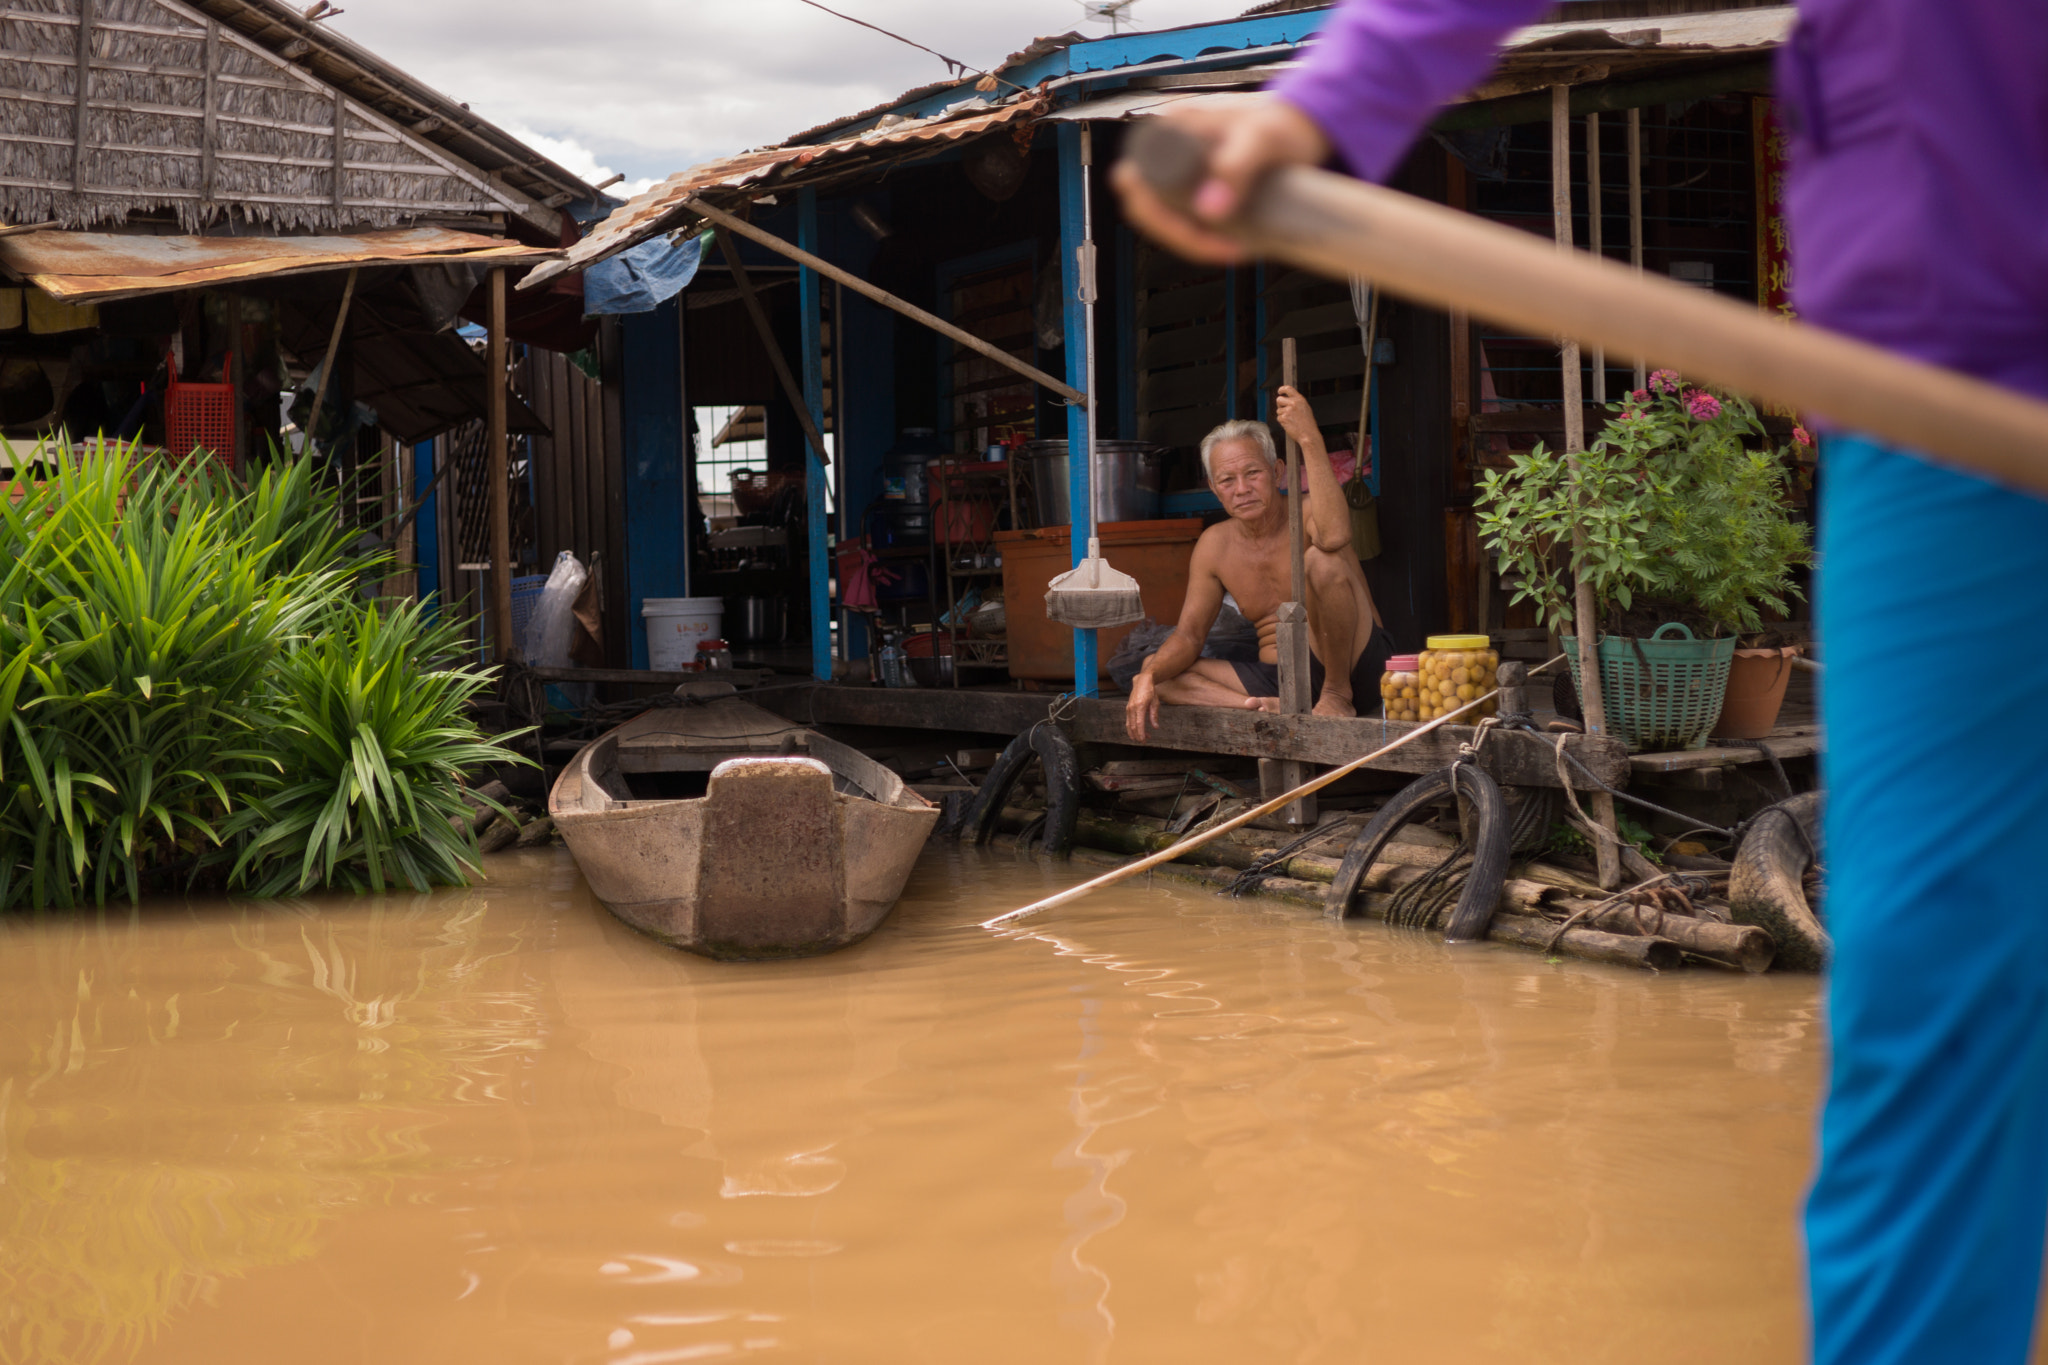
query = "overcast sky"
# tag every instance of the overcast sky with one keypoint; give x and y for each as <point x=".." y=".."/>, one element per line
<point x="649" y="87"/>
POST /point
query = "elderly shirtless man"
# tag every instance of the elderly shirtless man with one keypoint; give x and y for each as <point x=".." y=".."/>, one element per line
<point x="1247" y="556"/>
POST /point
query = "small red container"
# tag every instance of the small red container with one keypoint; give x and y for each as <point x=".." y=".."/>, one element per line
<point x="201" y="416"/>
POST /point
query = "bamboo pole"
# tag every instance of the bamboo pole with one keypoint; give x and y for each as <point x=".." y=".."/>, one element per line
<point x="882" y="296"/>
<point x="348" y="293"/>
<point x="1195" y="841"/>
<point x="504" y="649"/>
<point x="1340" y="227"/>
<point x="791" y="390"/>
<point x="1291" y="630"/>
<point x="1584" y="608"/>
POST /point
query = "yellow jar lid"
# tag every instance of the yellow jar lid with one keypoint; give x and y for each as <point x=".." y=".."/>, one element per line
<point x="1460" y="642"/>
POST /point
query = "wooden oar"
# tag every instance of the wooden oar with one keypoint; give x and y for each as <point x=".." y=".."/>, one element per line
<point x="1341" y="227"/>
<point x="1195" y="841"/>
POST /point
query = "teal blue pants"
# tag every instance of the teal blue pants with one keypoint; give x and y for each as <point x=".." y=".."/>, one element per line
<point x="1924" y="1224"/>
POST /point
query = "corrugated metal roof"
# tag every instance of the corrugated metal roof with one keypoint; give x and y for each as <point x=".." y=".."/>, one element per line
<point x="103" y="266"/>
<point x="660" y="210"/>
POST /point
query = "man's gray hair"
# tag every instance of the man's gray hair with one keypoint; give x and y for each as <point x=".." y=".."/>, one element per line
<point x="1258" y="433"/>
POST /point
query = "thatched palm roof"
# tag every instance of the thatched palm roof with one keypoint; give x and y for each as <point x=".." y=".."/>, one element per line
<point x="240" y="108"/>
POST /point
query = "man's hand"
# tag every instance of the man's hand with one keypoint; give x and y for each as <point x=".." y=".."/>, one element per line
<point x="1142" y="710"/>
<point x="1297" y="418"/>
<point x="1246" y="138"/>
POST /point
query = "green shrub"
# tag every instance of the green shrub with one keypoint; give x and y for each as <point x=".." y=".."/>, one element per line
<point x="372" y="740"/>
<point x="1676" y="506"/>
<point x="156" y="624"/>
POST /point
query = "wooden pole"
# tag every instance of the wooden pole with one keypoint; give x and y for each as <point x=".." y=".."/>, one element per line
<point x="1635" y="214"/>
<point x="504" y="649"/>
<point x="1584" y="609"/>
<point x="1594" y="206"/>
<point x="1341" y="227"/>
<point x="327" y="366"/>
<point x="882" y="296"/>
<point x="791" y="390"/>
<point x="1292" y="634"/>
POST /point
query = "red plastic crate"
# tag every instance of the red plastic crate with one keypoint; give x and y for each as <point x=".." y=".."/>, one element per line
<point x="201" y="416"/>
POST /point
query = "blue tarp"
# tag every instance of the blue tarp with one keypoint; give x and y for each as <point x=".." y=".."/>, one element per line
<point x="642" y="279"/>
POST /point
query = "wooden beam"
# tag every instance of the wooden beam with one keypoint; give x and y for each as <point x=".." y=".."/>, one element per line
<point x="340" y="148"/>
<point x="81" y="109"/>
<point x="1513" y="757"/>
<point x="209" y="103"/>
<point x="882" y="296"/>
<point x="504" y="649"/>
<point x="791" y="390"/>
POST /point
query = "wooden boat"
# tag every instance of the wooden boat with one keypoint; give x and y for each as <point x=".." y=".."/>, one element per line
<point x="729" y="831"/>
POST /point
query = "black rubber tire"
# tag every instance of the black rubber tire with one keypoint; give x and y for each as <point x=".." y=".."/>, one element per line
<point x="1766" y="886"/>
<point x="1481" y="896"/>
<point x="1062" y="769"/>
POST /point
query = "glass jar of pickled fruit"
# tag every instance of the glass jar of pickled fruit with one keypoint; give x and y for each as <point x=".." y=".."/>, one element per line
<point x="1453" y="670"/>
<point x="1401" y="688"/>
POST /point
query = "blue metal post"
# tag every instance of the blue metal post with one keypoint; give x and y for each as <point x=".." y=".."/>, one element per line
<point x="1078" y="490"/>
<point x="651" y="432"/>
<point x="426" y="529"/>
<point x="811" y="321"/>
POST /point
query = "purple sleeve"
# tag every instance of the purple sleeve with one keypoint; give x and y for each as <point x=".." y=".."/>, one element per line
<point x="1380" y="68"/>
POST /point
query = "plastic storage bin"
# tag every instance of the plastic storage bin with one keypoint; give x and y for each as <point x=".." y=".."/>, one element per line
<point x="1456" y="669"/>
<point x="1156" y="553"/>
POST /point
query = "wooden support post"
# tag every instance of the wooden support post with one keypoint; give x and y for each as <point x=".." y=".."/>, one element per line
<point x="504" y="649"/>
<point x="1594" y="204"/>
<point x="333" y="358"/>
<point x="1512" y="678"/>
<point x="1584" y="609"/>
<point x="1292" y="635"/>
<point x="1635" y="214"/>
<point x="81" y="115"/>
<point x="791" y="390"/>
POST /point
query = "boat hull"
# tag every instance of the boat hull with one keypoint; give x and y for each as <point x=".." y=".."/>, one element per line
<point x="772" y="862"/>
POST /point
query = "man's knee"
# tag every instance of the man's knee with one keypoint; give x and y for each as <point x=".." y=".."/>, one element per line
<point x="1331" y="580"/>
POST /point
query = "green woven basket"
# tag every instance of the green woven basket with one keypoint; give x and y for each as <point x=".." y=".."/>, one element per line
<point x="1661" y="693"/>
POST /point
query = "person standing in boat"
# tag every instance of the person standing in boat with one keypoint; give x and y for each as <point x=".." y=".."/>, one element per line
<point x="1917" y="195"/>
<point x="1249" y="556"/>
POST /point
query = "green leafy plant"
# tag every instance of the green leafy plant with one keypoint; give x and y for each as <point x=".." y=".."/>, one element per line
<point x="1566" y="839"/>
<point x="371" y="740"/>
<point x="1680" y="502"/>
<point x="156" y="622"/>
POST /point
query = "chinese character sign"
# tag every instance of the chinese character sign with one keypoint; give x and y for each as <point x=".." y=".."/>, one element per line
<point x="1773" y="261"/>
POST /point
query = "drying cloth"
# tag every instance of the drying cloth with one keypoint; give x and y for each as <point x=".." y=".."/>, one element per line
<point x="641" y="280"/>
<point x="1924" y="1227"/>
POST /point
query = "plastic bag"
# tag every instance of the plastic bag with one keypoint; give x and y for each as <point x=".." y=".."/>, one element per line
<point x="553" y="625"/>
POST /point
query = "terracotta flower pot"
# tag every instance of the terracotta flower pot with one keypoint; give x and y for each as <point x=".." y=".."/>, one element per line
<point x="1756" y="689"/>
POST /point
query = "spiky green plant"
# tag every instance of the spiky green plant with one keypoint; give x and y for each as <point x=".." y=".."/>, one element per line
<point x="372" y="739"/>
<point x="157" y="623"/>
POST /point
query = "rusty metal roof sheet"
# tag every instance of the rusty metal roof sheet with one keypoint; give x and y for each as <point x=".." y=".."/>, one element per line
<point x="103" y="266"/>
<point x="769" y="168"/>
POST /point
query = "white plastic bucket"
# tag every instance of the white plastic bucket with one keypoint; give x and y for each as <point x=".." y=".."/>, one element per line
<point x="675" y="625"/>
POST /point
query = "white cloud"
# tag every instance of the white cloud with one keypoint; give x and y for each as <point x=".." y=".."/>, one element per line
<point x="649" y="87"/>
<point x="577" y="159"/>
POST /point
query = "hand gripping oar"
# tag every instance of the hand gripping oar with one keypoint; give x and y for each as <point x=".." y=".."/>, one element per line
<point x="1341" y="227"/>
<point x="1146" y="864"/>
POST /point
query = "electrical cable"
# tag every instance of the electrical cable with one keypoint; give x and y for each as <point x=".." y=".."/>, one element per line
<point x="953" y="64"/>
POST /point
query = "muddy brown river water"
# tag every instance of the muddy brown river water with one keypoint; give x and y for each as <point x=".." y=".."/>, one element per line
<point x="496" y="1125"/>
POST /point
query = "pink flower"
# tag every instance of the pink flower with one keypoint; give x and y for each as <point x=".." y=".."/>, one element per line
<point x="1702" y="405"/>
<point x="1664" y="381"/>
<point x="1641" y="395"/>
<point x="1802" y="435"/>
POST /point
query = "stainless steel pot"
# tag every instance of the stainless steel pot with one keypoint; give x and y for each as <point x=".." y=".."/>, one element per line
<point x="757" y="620"/>
<point x="1129" y="477"/>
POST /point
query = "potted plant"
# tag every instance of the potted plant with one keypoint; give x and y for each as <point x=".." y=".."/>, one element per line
<point x="1683" y="531"/>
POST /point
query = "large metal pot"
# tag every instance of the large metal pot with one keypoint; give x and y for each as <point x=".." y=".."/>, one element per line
<point x="1129" y="477"/>
<point x="757" y="620"/>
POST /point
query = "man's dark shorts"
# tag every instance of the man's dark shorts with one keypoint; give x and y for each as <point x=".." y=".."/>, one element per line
<point x="1263" y="680"/>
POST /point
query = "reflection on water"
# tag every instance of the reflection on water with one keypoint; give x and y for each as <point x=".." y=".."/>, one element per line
<point x="496" y="1125"/>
